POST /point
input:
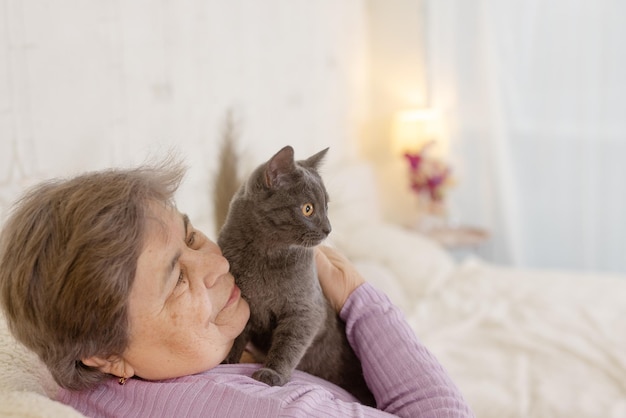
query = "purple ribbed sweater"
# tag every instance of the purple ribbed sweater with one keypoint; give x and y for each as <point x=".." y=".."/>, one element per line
<point x="403" y="375"/>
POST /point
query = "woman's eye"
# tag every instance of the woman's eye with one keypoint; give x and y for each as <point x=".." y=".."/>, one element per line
<point x="307" y="209"/>
<point x="181" y="278"/>
<point x="192" y="239"/>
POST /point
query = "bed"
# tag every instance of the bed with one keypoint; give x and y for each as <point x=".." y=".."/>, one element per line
<point x="519" y="342"/>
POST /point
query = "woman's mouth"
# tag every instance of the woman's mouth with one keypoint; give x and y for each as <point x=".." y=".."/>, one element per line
<point x="234" y="296"/>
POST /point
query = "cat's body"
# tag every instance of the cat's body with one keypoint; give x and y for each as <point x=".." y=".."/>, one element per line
<point x="275" y="219"/>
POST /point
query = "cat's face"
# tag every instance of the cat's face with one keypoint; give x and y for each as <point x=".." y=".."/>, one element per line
<point x="298" y="215"/>
<point x="292" y="201"/>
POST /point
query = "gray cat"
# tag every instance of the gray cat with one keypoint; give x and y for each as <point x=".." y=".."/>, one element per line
<point x="274" y="221"/>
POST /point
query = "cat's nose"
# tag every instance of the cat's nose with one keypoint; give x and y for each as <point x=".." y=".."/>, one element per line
<point x="327" y="228"/>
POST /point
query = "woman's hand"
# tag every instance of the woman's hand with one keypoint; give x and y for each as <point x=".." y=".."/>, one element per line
<point x="337" y="276"/>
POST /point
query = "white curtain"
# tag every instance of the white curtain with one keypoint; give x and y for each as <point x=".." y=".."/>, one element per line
<point x="534" y="95"/>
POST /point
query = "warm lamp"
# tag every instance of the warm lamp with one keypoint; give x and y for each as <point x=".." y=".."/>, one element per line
<point x="414" y="128"/>
<point x="416" y="135"/>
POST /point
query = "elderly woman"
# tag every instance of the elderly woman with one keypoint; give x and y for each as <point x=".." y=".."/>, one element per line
<point x="132" y="309"/>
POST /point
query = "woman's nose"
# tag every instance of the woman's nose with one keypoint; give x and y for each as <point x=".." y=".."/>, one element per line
<point x="206" y="263"/>
<point x="210" y="266"/>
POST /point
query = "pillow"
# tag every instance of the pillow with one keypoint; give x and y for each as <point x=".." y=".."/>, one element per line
<point x="26" y="385"/>
<point x="32" y="404"/>
<point x="21" y="368"/>
<point x="383" y="279"/>
<point x="419" y="263"/>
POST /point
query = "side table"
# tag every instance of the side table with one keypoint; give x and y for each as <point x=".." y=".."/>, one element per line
<point x="461" y="236"/>
<point x="460" y="240"/>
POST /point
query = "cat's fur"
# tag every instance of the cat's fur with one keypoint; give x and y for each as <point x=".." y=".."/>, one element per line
<point x="269" y="241"/>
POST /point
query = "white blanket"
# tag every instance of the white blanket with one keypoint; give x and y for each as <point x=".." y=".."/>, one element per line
<point x="519" y="343"/>
<point x="26" y="386"/>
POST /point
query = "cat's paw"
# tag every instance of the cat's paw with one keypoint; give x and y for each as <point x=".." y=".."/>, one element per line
<point x="270" y="377"/>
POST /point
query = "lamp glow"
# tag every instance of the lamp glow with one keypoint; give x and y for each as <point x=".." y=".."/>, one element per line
<point x="412" y="129"/>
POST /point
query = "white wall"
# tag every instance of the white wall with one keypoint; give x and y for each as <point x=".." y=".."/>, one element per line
<point x="398" y="81"/>
<point x="86" y="84"/>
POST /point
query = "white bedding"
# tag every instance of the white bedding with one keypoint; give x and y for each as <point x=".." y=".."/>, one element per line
<point x="529" y="343"/>
<point x="519" y="343"/>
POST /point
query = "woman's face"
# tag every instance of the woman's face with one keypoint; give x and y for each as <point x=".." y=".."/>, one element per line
<point x="185" y="310"/>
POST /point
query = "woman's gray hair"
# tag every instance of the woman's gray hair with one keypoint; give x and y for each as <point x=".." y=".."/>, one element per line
<point x="68" y="257"/>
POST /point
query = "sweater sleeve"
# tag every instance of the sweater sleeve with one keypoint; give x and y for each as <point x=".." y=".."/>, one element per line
<point x="406" y="379"/>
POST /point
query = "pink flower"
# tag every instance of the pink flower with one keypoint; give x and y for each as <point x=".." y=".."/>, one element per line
<point x="427" y="175"/>
<point x="414" y="160"/>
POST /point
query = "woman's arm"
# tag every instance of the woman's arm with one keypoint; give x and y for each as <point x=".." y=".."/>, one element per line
<point x="406" y="379"/>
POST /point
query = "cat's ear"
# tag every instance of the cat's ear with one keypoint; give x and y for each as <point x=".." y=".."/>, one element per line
<point x="314" y="160"/>
<point x="278" y="166"/>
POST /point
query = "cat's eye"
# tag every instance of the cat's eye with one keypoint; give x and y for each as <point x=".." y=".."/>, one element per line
<point x="307" y="209"/>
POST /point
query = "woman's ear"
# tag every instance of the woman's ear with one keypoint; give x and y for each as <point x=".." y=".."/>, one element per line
<point x="114" y="365"/>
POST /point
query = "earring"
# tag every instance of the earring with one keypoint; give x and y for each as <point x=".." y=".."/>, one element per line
<point x="122" y="381"/>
